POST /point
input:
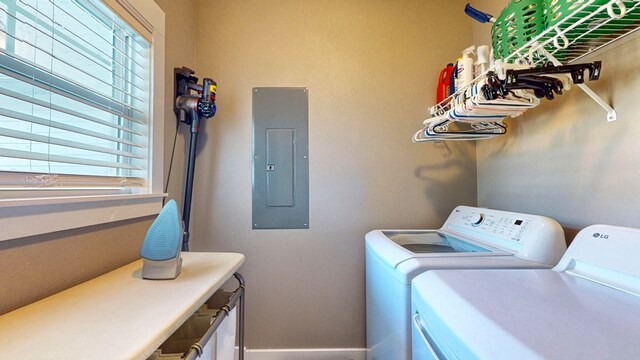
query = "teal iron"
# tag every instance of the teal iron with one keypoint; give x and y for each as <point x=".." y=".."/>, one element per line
<point x="161" y="247"/>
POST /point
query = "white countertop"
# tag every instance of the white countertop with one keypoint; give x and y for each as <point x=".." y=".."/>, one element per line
<point x="115" y="316"/>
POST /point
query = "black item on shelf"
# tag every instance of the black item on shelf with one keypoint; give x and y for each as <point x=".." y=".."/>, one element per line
<point x="538" y="80"/>
<point x="575" y="70"/>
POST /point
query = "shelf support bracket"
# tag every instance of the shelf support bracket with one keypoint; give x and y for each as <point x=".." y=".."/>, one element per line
<point x="611" y="112"/>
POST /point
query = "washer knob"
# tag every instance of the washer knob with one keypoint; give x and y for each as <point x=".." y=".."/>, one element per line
<point x="477" y="219"/>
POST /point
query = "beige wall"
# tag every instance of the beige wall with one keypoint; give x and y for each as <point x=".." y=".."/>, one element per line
<point x="180" y="45"/>
<point x="564" y="160"/>
<point x="371" y="69"/>
<point x="35" y="267"/>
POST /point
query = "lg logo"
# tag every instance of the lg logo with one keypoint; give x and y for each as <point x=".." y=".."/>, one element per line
<point x="601" y="236"/>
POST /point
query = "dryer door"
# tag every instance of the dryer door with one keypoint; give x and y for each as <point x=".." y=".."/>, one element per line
<point x="421" y="347"/>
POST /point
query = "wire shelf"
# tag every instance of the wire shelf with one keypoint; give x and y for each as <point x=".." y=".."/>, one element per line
<point x="586" y="30"/>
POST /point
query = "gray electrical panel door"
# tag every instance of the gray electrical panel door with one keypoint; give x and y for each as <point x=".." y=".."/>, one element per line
<point x="280" y="158"/>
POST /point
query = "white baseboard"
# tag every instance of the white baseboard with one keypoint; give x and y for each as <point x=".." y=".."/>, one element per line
<point x="304" y="354"/>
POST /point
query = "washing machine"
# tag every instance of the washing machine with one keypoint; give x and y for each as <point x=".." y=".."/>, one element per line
<point x="471" y="238"/>
<point x="587" y="307"/>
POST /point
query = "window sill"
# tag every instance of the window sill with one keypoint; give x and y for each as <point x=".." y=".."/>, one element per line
<point x="35" y="216"/>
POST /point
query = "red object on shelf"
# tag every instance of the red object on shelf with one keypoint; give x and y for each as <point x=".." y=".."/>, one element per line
<point x="444" y="83"/>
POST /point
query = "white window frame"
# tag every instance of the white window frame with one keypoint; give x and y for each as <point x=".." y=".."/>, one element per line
<point x="35" y="215"/>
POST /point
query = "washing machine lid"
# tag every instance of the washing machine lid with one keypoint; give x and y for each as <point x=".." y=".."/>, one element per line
<point x="429" y="242"/>
<point x="526" y="314"/>
<point x="396" y="246"/>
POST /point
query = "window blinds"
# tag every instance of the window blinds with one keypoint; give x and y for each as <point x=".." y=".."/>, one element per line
<point x="74" y="94"/>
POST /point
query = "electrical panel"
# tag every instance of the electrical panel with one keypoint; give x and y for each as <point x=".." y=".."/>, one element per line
<point x="280" y="158"/>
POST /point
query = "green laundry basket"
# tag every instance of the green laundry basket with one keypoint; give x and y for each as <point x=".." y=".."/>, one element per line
<point x="558" y="10"/>
<point x="600" y="25"/>
<point x="517" y="24"/>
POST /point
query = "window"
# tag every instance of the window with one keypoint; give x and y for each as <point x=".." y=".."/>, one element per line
<point x="77" y="110"/>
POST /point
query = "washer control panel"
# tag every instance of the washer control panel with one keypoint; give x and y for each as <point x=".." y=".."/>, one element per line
<point x="532" y="237"/>
<point x="501" y="224"/>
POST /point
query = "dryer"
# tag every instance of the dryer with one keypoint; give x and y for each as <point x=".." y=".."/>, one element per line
<point x="587" y="307"/>
<point x="471" y="238"/>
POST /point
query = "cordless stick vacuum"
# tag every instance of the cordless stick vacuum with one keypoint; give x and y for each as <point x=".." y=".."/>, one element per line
<point x="191" y="109"/>
<point x="167" y="236"/>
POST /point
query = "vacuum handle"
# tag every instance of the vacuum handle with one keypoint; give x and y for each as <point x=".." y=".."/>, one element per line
<point x="478" y="15"/>
<point x="206" y="106"/>
<point x="209" y="88"/>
